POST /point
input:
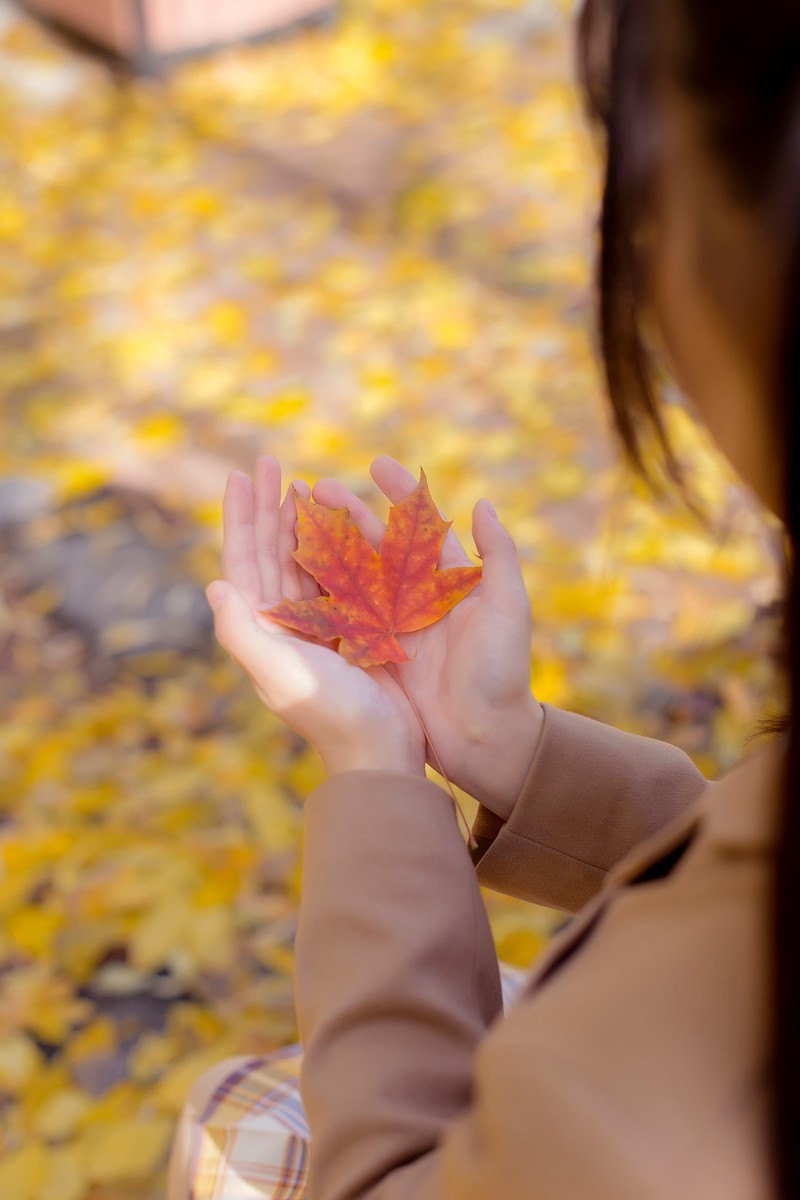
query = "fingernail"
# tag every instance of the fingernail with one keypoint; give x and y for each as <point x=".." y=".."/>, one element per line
<point x="215" y="594"/>
<point x="491" y="510"/>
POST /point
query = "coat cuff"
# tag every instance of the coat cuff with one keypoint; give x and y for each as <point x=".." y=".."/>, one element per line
<point x="592" y="793"/>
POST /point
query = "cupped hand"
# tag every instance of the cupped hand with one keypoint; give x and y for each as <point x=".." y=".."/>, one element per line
<point x="356" y="719"/>
<point x="469" y="673"/>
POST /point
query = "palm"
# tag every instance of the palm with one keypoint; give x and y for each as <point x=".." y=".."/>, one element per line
<point x="356" y="691"/>
<point x="463" y="669"/>
<point x="470" y="669"/>
<point x="310" y="686"/>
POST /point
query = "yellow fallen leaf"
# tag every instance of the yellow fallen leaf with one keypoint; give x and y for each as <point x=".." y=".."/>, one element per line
<point x="219" y="888"/>
<point x="33" y="998"/>
<point x="286" y="405"/>
<point x="13" y="217"/>
<point x="550" y="683"/>
<point x="76" y="478"/>
<point x="562" y="481"/>
<point x="21" y="853"/>
<point x="68" y="1179"/>
<point x="122" y="1102"/>
<point x="19" y="1060"/>
<point x="62" y="1114"/>
<point x="151" y="1055"/>
<point x="33" y="929"/>
<point x="14" y="889"/>
<point x="209" y="938"/>
<point x="227" y="320"/>
<point x="161" y="932"/>
<point x="82" y="944"/>
<point x="170" y="1092"/>
<point x="190" y="1024"/>
<point x="24" y="1172"/>
<point x="97" y="1038"/>
<point x="276" y="824"/>
<point x="161" y="430"/>
<point x="306" y="772"/>
<point x="126" y="1151"/>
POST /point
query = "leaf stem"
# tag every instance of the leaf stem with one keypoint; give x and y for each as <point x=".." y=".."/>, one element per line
<point x="470" y="839"/>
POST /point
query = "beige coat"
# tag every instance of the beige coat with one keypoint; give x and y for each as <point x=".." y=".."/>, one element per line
<point x="633" y="1065"/>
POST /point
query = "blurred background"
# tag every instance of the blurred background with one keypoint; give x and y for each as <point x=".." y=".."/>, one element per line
<point x="368" y="232"/>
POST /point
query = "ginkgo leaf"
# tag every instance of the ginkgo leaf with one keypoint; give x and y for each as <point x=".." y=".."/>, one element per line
<point x="374" y="594"/>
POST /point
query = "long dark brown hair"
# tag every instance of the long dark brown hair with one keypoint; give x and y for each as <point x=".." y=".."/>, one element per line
<point x="739" y="67"/>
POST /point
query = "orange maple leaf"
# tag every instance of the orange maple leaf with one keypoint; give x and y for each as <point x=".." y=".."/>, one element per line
<point x="373" y="594"/>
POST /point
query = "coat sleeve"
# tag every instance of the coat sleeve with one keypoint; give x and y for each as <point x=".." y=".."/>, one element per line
<point x="592" y="793"/>
<point x="398" y="1000"/>
<point x="397" y="985"/>
<point x="396" y="978"/>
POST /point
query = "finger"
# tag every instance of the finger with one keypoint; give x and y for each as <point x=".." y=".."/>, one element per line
<point x="266" y="504"/>
<point x="333" y="494"/>
<point x="392" y="478"/>
<point x="276" y="659"/>
<point x="396" y="483"/>
<point x="502" y="585"/>
<point x="239" y="565"/>
<point x="293" y="586"/>
<point x="255" y="650"/>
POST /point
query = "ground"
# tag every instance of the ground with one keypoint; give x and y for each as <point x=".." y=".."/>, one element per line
<point x="369" y="236"/>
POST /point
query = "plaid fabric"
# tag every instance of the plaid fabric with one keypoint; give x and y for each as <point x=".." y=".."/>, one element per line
<point x="243" y="1133"/>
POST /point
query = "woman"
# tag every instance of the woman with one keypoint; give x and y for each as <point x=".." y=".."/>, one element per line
<point x="654" y="1053"/>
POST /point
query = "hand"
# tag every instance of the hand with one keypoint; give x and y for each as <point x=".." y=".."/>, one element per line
<point x="469" y="673"/>
<point x="356" y="719"/>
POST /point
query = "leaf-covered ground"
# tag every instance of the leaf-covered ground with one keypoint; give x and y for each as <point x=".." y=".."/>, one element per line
<point x="371" y="236"/>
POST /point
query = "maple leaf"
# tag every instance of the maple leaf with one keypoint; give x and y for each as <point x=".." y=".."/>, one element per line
<point x="374" y="594"/>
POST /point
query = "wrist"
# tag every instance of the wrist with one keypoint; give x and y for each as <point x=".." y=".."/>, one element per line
<point x="512" y="755"/>
<point x="374" y="754"/>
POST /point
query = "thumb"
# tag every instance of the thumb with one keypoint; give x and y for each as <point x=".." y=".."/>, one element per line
<point x="216" y="594"/>
<point x="502" y="584"/>
<point x="233" y="617"/>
